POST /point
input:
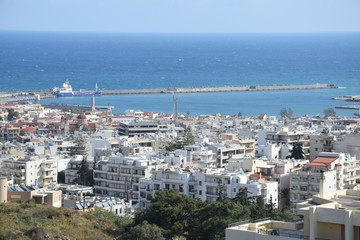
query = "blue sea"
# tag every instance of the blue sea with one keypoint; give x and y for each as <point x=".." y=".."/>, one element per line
<point x="42" y="60"/>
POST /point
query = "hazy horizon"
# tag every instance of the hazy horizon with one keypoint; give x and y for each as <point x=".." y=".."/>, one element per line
<point x="181" y="16"/>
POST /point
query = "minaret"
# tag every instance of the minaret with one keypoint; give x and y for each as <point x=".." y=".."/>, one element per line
<point x="93" y="103"/>
<point x="175" y="107"/>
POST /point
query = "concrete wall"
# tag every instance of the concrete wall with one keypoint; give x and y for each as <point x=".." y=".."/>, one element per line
<point x="330" y="231"/>
<point x="236" y="234"/>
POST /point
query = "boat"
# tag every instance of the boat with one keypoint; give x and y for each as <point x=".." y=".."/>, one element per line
<point x="66" y="91"/>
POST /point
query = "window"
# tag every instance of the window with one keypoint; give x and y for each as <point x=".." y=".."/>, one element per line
<point x="199" y="183"/>
<point x="200" y="192"/>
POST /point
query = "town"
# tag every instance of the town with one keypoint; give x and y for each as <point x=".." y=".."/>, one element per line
<point x="86" y="160"/>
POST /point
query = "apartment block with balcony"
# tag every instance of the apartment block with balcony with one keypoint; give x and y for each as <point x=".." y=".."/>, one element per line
<point x="227" y="150"/>
<point x="326" y="216"/>
<point x="119" y="176"/>
<point x="206" y="184"/>
<point x="336" y="170"/>
<point x="287" y="137"/>
<point x="140" y="128"/>
<point x="321" y="143"/>
<point x="30" y="170"/>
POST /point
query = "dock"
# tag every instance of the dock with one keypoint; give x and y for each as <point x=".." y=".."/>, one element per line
<point x="217" y="89"/>
<point x="67" y="107"/>
<point x="19" y="96"/>
<point x="349" y="107"/>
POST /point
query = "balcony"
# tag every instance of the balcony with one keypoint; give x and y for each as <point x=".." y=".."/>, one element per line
<point x="211" y="193"/>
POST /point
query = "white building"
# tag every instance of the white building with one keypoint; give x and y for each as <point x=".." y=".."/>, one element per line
<point x="205" y="184"/>
<point x="336" y="170"/>
<point x="30" y="170"/>
<point x="119" y="176"/>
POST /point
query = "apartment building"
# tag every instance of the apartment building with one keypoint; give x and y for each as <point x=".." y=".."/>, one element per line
<point x="206" y="184"/>
<point x="321" y="143"/>
<point x="336" y="171"/>
<point x="286" y="138"/>
<point x="140" y="128"/>
<point x="30" y="170"/>
<point x="333" y="216"/>
<point x="119" y="176"/>
<point x="227" y="150"/>
<point x="192" y="154"/>
<point x="349" y="143"/>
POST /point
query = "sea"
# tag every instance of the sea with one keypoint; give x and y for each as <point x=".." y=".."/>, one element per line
<point x="41" y="60"/>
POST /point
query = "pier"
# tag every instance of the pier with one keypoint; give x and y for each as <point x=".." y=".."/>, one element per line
<point x="19" y="95"/>
<point x="217" y="89"/>
<point x="350" y="107"/>
<point x="67" y="107"/>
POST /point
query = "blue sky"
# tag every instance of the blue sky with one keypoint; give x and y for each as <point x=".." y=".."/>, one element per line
<point x="181" y="15"/>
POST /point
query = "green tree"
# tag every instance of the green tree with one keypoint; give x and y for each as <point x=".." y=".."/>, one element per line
<point x="144" y="231"/>
<point x="61" y="177"/>
<point x="221" y="189"/>
<point x="79" y="147"/>
<point x="76" y="110"/>
<point x="285" y="195"/>
<point x="286" y="112"/>
<point x="188" y="137"/>
<point x="297" y="151"/>
<point x="243" y="197"/>
<point x="213" y="219"/>
<point x="257" y="208"/>
<point x="171" y="211"/>
<point x="86" y="176"/>
<point x="1" y="118"/>
<point x="329" y="112"/>
<point x="11" y="114"/>
<point x="180" y="142"/>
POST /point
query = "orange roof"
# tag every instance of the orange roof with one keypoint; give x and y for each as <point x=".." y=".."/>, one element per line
<point x="324" y="160"/>
<point x="29" y="129"/>
<point x="257" y="175"/>
<point x="317" y="164"/>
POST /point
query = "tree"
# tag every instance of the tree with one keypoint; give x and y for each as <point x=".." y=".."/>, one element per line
<point x="213" y="219"/>
<point x="188" y="137"/>
<point x="11" y="114"/>
<point x="285" y="194"/>
<point x="86" y="176"/>
<point x="243" y="197"/>
<point x="221" y="189"/>
<point x="79" y="147"/>
<point x="171" y="211"/>
<point x="286" y="112"/>
<point x="329" y="112"/>
<point x="61" y="177"/>
<point x="297" y="151"/>
<point x="144" y="231"/>
<point x="180" y="142"/>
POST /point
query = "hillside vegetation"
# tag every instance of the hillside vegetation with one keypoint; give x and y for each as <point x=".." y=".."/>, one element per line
<point x="30" y="221"/>
<point x="171" y="215"/>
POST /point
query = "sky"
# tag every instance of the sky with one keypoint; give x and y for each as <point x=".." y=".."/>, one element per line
<point x="218" y="16"/>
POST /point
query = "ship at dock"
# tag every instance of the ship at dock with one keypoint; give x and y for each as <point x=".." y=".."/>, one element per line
<point x="66" y="91"/>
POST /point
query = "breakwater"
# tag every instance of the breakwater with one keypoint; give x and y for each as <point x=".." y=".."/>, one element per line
<point x="19" y="95"/>
<point x="217" y="89"/>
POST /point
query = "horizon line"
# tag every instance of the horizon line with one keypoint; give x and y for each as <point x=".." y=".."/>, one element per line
<point x="173" y="32"/>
